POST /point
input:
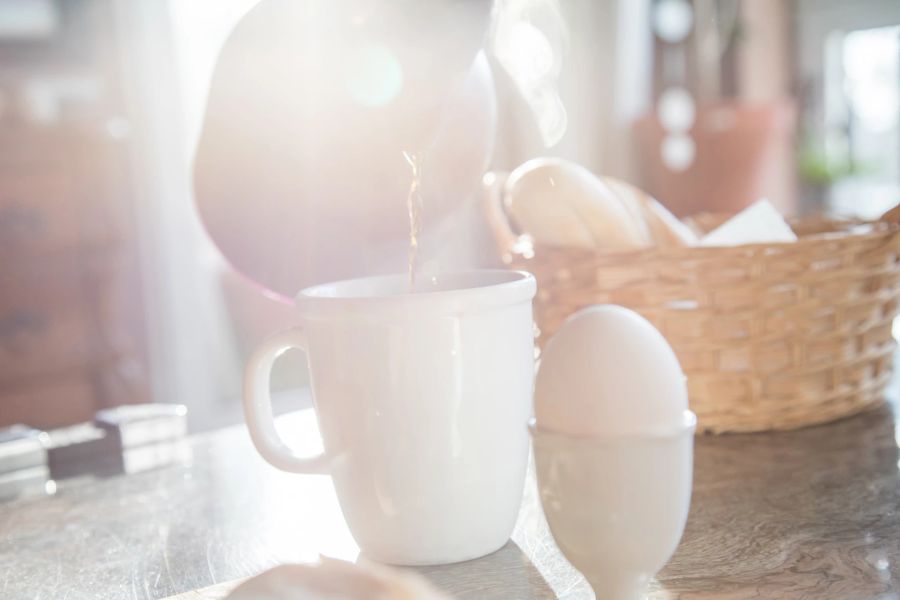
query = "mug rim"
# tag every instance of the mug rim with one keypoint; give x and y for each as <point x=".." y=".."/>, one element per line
<point x="490" y="288"/>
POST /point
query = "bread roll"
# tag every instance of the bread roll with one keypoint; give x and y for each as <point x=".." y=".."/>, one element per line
<point x="560" y="203"/>
<point x="336" y="580"/>
<point x="665" y="228"/>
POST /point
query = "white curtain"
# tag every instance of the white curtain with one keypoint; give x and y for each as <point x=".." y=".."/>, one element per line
<point x="191" y="347"/>
<point x="199" y="29"/>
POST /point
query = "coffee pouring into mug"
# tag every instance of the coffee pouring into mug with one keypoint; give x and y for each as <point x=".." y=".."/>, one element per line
<point x="328" y="124"/>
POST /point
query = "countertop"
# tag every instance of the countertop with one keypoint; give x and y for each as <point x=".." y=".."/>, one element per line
<point x="806" y="514"/>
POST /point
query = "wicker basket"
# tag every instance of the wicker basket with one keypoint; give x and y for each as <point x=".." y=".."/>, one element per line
<point x="775" y="336"/>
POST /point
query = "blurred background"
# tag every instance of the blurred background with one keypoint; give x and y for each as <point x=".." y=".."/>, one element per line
<point x="115" y="289"/>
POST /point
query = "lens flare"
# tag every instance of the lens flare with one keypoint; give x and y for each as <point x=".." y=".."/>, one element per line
<point x="373" y="75"/>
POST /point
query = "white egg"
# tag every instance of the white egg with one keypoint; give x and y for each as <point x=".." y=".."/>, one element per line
<point x="608" y="371"/>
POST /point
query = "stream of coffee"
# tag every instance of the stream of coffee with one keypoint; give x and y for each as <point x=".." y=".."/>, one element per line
<point x="414" y="206"/>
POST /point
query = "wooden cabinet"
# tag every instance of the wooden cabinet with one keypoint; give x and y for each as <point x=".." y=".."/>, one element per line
<point x="38" y="211"/>
<point x="53" y="401"/>
<point x="71" y="316"/>
<point x="45" y="324"/>
<point x="71" y="326"/>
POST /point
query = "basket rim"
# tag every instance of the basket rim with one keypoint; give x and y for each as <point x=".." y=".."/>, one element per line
<point x="858" y="230"/>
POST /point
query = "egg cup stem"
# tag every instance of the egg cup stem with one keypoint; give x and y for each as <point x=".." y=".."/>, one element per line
<point x="621" y="586"/>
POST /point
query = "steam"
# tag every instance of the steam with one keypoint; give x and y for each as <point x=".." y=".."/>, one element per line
<point x="529" y="41"/>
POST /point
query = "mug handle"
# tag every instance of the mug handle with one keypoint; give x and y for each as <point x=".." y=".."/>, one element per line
<point x="258" y="406"/>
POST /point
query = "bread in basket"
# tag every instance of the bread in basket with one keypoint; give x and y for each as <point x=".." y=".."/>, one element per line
<point x="770" y="336"/>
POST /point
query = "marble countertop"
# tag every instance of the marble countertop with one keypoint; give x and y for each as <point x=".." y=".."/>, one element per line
<point x="808" y="514"/>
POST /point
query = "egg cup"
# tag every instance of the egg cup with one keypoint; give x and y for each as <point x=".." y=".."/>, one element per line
<point x="616" y="504"/>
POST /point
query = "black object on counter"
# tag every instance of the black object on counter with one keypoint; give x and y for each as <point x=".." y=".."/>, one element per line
<point x="124" y="439"/>
<point x="82" y="449"/>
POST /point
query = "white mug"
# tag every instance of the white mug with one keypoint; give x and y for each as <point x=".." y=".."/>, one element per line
<point x="422" y="401"/>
